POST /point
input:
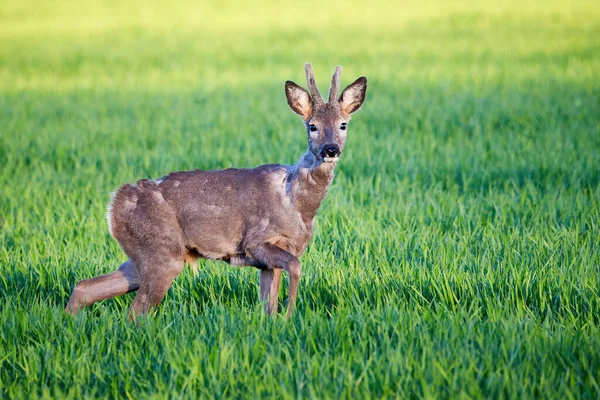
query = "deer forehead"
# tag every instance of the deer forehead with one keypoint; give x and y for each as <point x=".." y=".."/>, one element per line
<point x="327" y="114"/>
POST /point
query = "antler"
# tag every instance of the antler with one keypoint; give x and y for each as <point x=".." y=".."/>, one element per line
<point x="312" y="85"/>
<point x="335" y="85"/>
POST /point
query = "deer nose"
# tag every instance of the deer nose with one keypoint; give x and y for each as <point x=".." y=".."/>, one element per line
<point x="330" y="150"/>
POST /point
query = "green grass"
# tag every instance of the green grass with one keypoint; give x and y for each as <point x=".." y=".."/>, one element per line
<point x="456" y="256"/>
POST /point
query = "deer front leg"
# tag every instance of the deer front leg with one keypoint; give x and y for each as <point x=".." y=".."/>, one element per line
<point x="270" y="280"/>
<point x="275" y="259"/>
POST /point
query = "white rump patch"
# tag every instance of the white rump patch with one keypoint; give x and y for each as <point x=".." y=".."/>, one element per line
<point x="109" y="209"/>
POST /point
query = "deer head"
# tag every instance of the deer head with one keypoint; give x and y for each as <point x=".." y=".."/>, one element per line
<point x="326" y="123"/>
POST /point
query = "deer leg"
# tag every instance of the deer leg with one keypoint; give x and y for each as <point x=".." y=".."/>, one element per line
<point x="156" y="278"/>
<point x="276" y="258"/>
<point x="270" y="280"/>
<point x="124" y="280"/>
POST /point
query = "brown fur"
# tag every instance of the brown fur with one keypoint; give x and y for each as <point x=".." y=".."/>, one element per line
<point x="260" y="217"/>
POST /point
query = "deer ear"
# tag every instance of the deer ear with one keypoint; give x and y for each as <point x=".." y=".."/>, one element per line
<point x="299" y="100"/>
<point x="353" y="96"/>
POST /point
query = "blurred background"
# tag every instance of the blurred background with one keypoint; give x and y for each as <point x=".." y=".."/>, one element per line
<point x="199" y="84"/>
<point x="185" y="45"/>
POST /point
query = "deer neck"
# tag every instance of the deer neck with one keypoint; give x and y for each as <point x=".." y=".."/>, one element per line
<point x="308" y="182"/>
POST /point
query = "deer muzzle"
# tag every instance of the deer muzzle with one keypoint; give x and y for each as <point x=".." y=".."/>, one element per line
<point x="330" y="152"/>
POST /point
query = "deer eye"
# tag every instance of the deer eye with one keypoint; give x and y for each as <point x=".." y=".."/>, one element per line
<point x="312" y="128"/>
<point x="343" y="126"/>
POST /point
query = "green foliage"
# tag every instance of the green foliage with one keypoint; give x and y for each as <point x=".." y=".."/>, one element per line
<point x="456" y="256"/>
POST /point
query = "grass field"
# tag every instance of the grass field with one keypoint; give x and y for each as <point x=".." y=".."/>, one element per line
<point x="456" y="256"/>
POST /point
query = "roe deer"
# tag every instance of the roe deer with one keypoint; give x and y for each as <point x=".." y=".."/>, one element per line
<point x="260" y="217"/>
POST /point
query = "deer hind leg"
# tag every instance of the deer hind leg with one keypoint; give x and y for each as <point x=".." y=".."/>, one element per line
<point x="147" y="229"/>
<point x="156" y="278"/>
<point x="124" y="280"/>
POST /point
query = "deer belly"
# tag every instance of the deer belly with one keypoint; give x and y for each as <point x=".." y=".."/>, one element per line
<point x="212" y="239"/>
